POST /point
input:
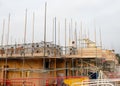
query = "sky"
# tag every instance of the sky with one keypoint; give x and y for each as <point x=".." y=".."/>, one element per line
<point x="91" y="14"/>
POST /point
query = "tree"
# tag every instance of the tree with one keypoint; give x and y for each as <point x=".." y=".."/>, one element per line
<point x="118" y="57"/>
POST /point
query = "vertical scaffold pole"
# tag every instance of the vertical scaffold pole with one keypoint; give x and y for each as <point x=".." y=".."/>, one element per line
<point x="69" y="34"/>
<point x="23" y="64"/>
<point x="33" y="27"/>
<point x="59" y="33"/>
<point x="32" y="47"/>
<point x="55" y="49"/>
<point x="6" y="60"/>
<point x="2" y="39"/>
<point x="95" y="47"/>
<point x="44" y="35"/>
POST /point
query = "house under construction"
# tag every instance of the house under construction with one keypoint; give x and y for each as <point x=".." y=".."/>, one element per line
<point x="45" y="59"/>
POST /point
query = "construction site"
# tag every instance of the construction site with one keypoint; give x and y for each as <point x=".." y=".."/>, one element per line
<point x="50" y="64"/>
<point x="36" y="63"/>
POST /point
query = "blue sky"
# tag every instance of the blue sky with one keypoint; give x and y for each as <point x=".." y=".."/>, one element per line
<point x="104" y="14"/>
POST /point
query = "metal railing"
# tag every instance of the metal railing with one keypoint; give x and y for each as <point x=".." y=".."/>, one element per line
<point x="98" y="82"/>
<point x="30" y="48"/>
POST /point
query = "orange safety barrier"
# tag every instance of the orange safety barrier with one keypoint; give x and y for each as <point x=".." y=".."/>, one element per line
<point x="71" y="81"/>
